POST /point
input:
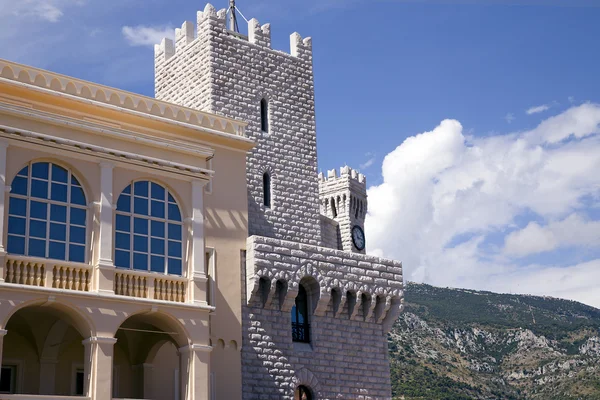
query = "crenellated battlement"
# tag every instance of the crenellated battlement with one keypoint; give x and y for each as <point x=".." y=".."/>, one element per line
<point x="258" y="34"/>
<point x="345" y="174"/>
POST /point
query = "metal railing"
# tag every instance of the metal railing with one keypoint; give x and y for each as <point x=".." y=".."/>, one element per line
<point x="300" y="332"/>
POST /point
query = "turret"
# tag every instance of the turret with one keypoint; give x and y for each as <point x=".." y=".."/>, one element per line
<point x="343" y="199"/>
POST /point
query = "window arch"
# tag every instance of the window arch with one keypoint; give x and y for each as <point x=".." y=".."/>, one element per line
<point x="300" y="325"/>
<point x="148" y="229"/>
<point x="267" y="190"/>
<point x="264" y="115"/>
<point x="47" y="214"/>
<point x="302" y="393"/>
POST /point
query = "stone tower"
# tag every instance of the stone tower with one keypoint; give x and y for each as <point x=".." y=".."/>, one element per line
<point x="315" y="309"/>
<point x="241" y="77"/>
<point x="343" y="199"/>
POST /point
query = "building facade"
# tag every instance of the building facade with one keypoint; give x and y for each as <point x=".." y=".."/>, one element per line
<point x="184" y="246"/>
<point x="316" y="310"/>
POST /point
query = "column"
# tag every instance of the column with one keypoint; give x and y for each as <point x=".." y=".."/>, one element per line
<point x="105" y="271"/>
<point x="3" y="333"/>
<point x="3" y="192"/>
<point x="198" y="258"/>
<point x="195" y="372"/>
<point x="98" y="367"/>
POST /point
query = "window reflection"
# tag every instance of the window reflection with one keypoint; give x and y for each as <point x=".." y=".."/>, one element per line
<point x="151" y="237"/>
<point x="47" y="214"/>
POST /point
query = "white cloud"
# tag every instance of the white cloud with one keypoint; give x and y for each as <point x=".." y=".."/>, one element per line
<point x="574" y="230"/>
<point x="147" y="35"/>
<point x="538" y="109"/>
<point x="447" y="201"/>
<point x="530" y="240"/>
<point x="510" y="117"/>
<point x="370" y="161"/>
<point x="46" y="10"/>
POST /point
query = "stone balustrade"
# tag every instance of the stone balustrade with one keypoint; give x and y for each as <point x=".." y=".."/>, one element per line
<point x="55" y="274"/>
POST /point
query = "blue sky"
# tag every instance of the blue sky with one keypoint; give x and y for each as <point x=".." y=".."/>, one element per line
<point x="476" y="122"/>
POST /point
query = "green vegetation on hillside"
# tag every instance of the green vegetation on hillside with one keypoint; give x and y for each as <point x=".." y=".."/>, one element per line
<point x="463" y="344"/>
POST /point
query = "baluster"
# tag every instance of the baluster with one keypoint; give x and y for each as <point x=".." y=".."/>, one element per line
<point x="134" y="286"/>
<point x="78" y="273"/>
<point x="70" y="273"/>
<point x="178" y="294"/>
<point x="54" y="277"/>
<point x="39" y="274"/>
<point x="158" y="284"/>
<point x="145" y="294"/>
<point x="9" y="271"/>
<point x="172" y="291"/>
<point x="138" y="292"/>
<point x="18" y="273"/>
<point x="122" y="285"/>
<point x="27" y="274"/>
<point x="128" y="287"/>
<point x="85" y="281"/>
<point x="34" y="271"/>
<point x="116" y="283"/>
<point x="62" y="281"/>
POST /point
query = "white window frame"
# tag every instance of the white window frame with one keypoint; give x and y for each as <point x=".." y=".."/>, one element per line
<point x="48" y="202"/>
<point x="131" y="215"/>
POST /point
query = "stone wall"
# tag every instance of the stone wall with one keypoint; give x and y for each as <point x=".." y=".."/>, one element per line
<point x="330" y="233"/>
<point x="226" y="73"/>
<point x="354" y="300"/>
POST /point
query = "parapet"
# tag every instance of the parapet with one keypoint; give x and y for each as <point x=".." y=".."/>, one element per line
<point x="346" y="173"/>
<point x="259" y="35"/>
<point x="350" y="285"/>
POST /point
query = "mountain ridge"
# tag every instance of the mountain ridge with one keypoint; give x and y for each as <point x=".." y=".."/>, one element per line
<point x="467" y="344"/>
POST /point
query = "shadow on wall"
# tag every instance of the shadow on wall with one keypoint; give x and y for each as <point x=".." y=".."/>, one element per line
<point x="258" y="224"/>
<point x="256" y="365"/>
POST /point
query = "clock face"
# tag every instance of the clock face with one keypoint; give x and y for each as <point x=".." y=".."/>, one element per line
<point x="358" y="237"/>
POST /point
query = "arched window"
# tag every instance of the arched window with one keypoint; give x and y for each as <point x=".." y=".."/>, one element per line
<point x="47" y="214"/>
<point x="333" y="208"/>
<point x="267" y="190"/>
<point x="300" y="325"/>
<point x="148" y="230"/>
<point x="302" y="393"/>
<point x="264" y="115"/>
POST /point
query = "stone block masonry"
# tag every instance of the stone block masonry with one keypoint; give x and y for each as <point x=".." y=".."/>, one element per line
<point x="226" y="73"/>
<point x="354" y="299"/>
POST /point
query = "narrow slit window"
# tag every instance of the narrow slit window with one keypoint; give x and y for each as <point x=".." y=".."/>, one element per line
<point x="267" y="189"/>
<point x="264" y="115"/>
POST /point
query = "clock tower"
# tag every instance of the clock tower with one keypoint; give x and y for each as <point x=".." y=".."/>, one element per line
<point x="343" y="204"/>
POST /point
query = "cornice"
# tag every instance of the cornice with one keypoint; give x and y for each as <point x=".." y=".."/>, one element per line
<point x="66" y="86"/>
<point x="103" y="152"/>
<point x="101" y="128"/>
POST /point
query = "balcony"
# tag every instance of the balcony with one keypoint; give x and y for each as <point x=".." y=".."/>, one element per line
<point x="79" y="277"/>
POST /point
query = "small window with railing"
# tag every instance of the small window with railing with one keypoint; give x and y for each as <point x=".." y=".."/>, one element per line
<point x="300" y="321"/>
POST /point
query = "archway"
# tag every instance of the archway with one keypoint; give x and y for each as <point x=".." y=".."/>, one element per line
<point x="303" y="393"/>
<point x="147" y="362"/>
<point x="43" y="353"/>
